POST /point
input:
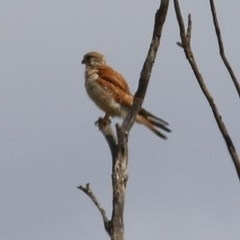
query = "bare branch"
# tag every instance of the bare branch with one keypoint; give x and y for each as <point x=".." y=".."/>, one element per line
<point x="221" y="47"/>
<point x="185" y="38"/>
<point x="91" y="195"/>
<point x="119" y="146"/>
<point x="189" y="29"/>
<point x="160" y="17"/>
<point x="119" y="169"/>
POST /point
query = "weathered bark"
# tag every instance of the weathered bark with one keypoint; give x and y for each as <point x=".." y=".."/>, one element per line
<point x="119" y="145"/>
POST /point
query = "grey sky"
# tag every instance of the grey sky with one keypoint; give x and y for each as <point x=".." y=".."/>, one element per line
<point x="182" y="188"/>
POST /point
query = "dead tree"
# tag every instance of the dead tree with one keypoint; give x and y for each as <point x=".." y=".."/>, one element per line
<point x="185" y="35"/>
<point x="119" y="144"/>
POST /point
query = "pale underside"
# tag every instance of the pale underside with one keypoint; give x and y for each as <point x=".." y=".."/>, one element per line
<point x="112" y="99"/>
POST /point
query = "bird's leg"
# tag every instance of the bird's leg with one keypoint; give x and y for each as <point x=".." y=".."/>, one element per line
<point x="102" y="122"/>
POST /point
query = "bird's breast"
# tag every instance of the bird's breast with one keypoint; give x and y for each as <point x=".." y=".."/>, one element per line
<point x="101" y="96"/>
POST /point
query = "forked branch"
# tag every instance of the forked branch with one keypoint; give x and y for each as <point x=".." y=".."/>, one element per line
<point x="221" y="47"/>
<point x="186" y="45"/>
<point x="87" y="190"/>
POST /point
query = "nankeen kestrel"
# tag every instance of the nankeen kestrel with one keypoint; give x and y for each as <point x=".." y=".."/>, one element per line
<point x="110" y="92"/>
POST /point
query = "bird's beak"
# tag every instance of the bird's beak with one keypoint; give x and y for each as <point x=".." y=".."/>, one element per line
<point x="83" y="61"/>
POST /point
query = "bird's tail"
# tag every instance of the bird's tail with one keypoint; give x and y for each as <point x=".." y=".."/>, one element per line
<point x="152" y="122"/>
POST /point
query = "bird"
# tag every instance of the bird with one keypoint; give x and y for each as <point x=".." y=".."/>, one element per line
<point x="109" y="90"/>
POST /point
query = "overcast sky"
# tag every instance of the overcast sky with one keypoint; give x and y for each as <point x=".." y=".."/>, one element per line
<point x="182" y="188"/>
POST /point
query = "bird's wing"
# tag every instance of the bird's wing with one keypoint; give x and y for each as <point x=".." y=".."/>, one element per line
<point x="115" y="84"/>
<point x="113" y="77"/>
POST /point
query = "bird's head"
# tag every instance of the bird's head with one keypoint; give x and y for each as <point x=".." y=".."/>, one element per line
<point x="93" y="59"/>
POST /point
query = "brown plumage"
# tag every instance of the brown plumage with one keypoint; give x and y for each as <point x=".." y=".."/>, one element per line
<point x="110" y="92"/>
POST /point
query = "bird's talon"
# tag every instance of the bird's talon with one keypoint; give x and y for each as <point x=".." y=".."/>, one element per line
<point x="102" y="122"/>
<point x="97" y="122"/>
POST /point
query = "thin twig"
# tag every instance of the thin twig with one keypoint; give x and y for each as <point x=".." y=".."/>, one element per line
<point x="91" y="195"/>
<point x="185" y="38"/>
<point x="221" y="47"/>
